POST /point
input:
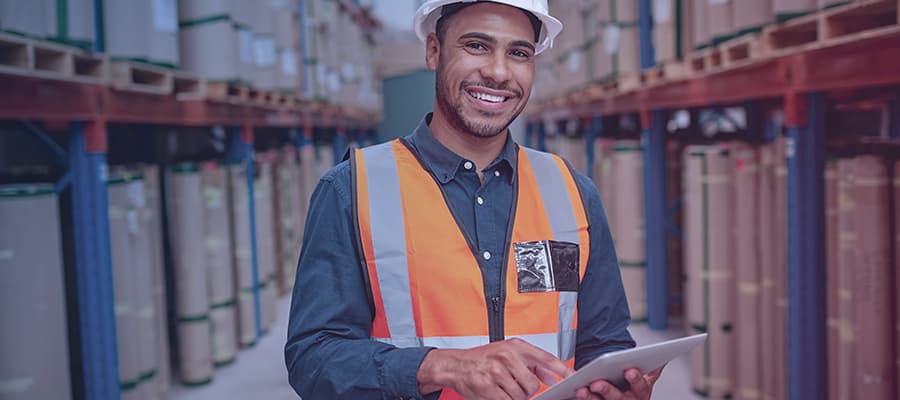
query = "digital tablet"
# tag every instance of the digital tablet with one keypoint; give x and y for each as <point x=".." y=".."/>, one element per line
<point x="612" y="366"/>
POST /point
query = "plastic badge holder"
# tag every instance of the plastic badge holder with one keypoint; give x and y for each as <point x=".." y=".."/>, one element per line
<point x="612" y="366"/>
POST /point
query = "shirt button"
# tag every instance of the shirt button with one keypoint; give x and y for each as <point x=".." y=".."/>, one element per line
<point x="486" y="255"/>
<point x="480" y="200"/>
<point x="496" y="173"/>
<point x="467" y="165"/>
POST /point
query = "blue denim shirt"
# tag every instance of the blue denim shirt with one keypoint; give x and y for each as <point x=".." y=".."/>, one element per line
<point x="329" y="353"/>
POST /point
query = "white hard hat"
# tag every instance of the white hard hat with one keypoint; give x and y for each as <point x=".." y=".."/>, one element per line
<point x="430" y="11"/>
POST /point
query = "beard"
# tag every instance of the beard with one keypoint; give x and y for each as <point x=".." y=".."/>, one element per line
<point x="490" y="125"/>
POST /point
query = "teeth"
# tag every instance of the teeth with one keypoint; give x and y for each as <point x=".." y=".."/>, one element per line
<point x="487" y="97"/>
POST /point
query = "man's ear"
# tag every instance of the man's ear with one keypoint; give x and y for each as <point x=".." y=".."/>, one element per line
<point x="432" y="51"/>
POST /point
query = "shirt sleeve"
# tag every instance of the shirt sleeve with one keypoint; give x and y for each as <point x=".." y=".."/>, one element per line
<point x="603" y="315"/>
<point x="329" y="353"/>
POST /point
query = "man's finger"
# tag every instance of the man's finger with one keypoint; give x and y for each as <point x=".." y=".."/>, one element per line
<point x="585" y="394"/>
<point x="654" y="375"/>
<point x="640" y="387"/>
<point x="606" y="390"/>
<point x="548" y="377"/>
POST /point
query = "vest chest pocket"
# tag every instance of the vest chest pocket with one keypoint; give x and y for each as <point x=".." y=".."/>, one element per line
<point x="547" y="266"/>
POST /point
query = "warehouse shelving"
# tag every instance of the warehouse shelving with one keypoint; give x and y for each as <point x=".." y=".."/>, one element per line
<point x="852" y="52"/>
<point x="83" y="94"/>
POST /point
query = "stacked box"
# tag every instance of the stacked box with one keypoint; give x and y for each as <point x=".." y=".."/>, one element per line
<point x="700" y="33"/>
<point x="287" y="33"/>
<point x="264" y="52"/>
<point x="67" y="21"/>
<point x="787" y="9"/>
<point x="750" y="15"/>
<point x="209" y="39"/>
<point x="142" y="31"/>
<point x="672" y="21"/>
<point x="719" y="20"/>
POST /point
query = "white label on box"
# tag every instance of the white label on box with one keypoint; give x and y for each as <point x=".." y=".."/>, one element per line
<point x="611" y="39"/>
<point x="717" y="2"/>
<point x="662" y="11"/>
<point x="334" y="82"/>
<point x="321" y="75"/>
<point x="245" y="39"/>
<point x="264" y="51"/>
<point x="574" y="60"/>
<point x="288" y="62"/>
<point x="348" y="72"/>
<point x="136" y="194"/>
<point x="165" y="16"/>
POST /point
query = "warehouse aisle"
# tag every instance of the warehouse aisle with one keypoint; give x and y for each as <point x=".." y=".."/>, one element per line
<point x="259" y="373"/>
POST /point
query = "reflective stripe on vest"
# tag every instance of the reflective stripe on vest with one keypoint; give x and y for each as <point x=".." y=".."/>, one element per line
<point x="426" y="282"/>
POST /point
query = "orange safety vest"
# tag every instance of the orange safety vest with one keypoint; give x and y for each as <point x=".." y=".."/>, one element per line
<point x="426" y="282"/>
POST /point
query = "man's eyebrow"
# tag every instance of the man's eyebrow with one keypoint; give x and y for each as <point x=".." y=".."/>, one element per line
<point x="490" y="39"/>
<point x="523" y="43"/>
<point x="481" y="36"/>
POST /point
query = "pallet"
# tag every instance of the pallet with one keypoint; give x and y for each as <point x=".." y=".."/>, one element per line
<point x="668" y="71"/>
<point x="39" y="59"/>
<point x="833" y="26"/>
<point x="231" y="92"/>
<point x="144" y="78"/>
<point x="704" y="61"/>
<point x="188" y="87"/>
<point x="742" y="50"/>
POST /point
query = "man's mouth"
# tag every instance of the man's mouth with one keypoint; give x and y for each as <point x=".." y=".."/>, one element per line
<point x="487" y="97"/>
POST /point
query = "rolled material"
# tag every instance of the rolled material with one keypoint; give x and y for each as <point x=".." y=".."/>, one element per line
<point x="846" y="307"/>
<point x="160" y="383"/>
<point x="122" y="225"/>
<point x="768" y="271"/>
<point x="781" y="275"/>
<point x="145" y="306"/>
<point x="288" y="222"/>
<point x="696" y="297"/>
<point x="210" y="50"/>
<point x="217" y="246"/>
<point x="897" y="267"/>
<point x="874" y="369"/>
<point x="629" y="232"/>
<point x="747" y="332"/>
<point x="265" y="241"/>
<point x="33" y="340"/>
<point x="831" y="238"/>
<point x="709" y="242"/>
<point x="186" y="230"/>
<point x="243" y="260"/>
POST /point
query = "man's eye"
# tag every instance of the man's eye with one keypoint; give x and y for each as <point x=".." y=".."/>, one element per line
<point x="520" y="54"/>
<point x="476" y="46"/>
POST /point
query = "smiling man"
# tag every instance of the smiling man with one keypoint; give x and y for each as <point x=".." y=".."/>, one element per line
<point x="454" y="263"/>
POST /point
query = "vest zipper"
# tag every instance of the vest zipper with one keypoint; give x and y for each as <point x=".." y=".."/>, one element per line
<point x="496" y="320"/>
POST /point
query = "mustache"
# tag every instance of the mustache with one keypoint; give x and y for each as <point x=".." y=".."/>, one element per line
<point x="491" y="85"/>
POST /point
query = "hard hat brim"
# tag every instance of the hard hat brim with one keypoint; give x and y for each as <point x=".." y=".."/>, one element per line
<point x="429" y="13"/>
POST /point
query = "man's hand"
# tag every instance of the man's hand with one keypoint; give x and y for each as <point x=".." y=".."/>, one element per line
<point x="640" y="387"/>
<point x="510" y="369"/>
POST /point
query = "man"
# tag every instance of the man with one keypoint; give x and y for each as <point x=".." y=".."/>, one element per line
<point x="407" y="285"/>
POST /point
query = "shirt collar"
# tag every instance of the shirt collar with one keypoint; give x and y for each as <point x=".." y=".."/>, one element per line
<point x="445" y="164"/>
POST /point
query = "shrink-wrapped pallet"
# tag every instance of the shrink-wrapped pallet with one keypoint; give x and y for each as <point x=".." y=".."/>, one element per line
<point x="67" y="21"/>
<point x="143" y="31"/>
<point x="672" y="22"/>
<point x="209" y="40"/>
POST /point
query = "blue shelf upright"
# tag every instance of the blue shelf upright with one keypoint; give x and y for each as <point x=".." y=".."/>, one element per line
<point x="655" y="207"/>
<point x="93" y="260"/>
<point x="807" y="339"/>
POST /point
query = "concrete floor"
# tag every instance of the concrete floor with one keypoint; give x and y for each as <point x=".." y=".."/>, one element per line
<point x="260" y="374"/>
